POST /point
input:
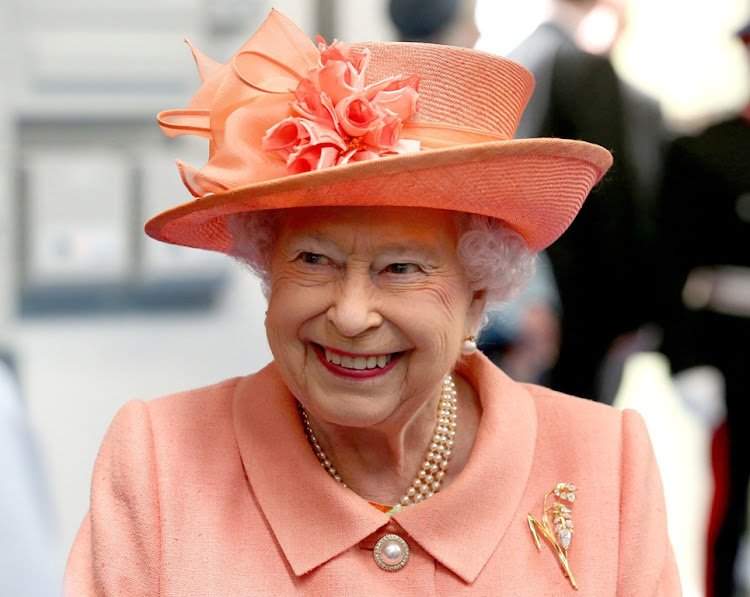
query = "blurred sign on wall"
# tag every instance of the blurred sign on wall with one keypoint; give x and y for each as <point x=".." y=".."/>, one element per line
<point x="77" y="216"/>
<point x="162" y="188"/>
<point x="82" y="208"/>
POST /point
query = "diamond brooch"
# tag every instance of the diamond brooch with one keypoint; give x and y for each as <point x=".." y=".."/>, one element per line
<point x="560" y="531"/>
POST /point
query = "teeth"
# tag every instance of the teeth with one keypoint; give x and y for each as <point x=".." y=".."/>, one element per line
<point x="358" y="363"/>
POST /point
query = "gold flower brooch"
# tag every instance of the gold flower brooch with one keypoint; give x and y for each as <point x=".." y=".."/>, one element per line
<point x="560" y="531"/>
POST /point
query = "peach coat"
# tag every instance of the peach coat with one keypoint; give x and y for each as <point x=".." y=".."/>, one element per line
<point x="217" y="492"/>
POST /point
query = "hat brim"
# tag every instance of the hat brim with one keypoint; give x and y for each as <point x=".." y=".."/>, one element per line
<point x="537" y="186"/>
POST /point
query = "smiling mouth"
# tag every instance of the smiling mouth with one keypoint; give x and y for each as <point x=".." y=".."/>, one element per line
<point x="358" y="363"/>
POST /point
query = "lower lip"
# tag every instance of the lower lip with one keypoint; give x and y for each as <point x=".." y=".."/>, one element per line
<point x="354" y="373"/>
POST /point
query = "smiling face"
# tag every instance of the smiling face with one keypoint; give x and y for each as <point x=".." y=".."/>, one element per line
<point x="368" y="310"/>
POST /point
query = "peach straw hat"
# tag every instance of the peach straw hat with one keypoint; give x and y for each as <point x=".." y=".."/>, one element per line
<point x="293" y="124"/>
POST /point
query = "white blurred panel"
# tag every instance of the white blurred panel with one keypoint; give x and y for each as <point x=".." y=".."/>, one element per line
<point x="364" y="21"/>
<point x="104" y="72"/>
<point x="111" y="60"/>
<point x="162" y="189"/>
<point x="302" y="12"/>
<point x="503" y="24"/>
<point x="8" y="258"/>
<point x="146" y="14"/>
<point x="77" y="216"/>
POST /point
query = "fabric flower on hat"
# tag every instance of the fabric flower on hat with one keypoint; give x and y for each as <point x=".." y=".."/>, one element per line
<point x="338" y="119"/>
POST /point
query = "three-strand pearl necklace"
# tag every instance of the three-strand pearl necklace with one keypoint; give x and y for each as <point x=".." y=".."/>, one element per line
<point x="432" y="473"/>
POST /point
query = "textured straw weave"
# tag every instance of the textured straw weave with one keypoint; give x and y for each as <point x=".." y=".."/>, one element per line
<point x="451" y="80"/>
<point x="536" y="186"/>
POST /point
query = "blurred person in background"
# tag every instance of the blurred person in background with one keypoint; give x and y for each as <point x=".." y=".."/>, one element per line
<point x="378" y="192"/>
<point x="30" y="561"/>
<point x="705" y="228"/>
<point x="578" y="95"/>
<point x="449" y="22"/>
<point x="523" y="335"/>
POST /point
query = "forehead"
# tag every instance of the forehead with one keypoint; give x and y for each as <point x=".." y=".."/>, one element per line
<point x="375" y="224"/>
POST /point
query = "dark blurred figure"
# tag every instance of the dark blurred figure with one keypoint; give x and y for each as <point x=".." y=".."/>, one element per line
<point x="605" y="316"/>
<point x="522" y="337"/>
<point x="706" y="234"/>
<point x="448" y="22"/>
<point x="30" y="564"/>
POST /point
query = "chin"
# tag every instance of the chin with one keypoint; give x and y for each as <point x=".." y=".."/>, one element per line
<point x="344" y="410"/>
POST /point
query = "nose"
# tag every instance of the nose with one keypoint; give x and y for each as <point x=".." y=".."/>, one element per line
<point x="353" y="309"/>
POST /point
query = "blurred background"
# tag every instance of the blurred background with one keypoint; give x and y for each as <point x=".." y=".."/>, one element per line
<point x="93" y="313"/>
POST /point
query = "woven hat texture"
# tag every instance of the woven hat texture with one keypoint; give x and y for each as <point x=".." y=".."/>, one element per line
<point x="469" y="105"/>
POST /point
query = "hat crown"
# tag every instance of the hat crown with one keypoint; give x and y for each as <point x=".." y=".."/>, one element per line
<point x="289" y="125"/>
<point x="458" y="86"/>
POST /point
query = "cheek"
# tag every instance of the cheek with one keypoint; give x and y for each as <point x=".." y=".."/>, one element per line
<point x="436" y="318"/>
<point x="290" y="306"/>
<point x="450" y="301"/>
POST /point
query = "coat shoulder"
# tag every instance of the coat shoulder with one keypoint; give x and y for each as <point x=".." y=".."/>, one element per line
<point x="197" y="402"/>
<point x="551" y="404"/>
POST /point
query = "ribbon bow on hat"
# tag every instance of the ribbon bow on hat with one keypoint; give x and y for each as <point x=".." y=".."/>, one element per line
<point x="295" y="124"/>
<point x="279" y="89"/>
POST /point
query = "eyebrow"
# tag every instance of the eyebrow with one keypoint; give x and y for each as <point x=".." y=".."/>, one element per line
<point x="316" y="237"/>
<point x="397" y="246"/>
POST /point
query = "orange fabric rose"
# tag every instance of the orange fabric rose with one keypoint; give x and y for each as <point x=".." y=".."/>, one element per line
<point x="339" y="119"/>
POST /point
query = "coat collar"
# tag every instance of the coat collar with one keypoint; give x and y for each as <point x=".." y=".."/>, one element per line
<point x="299" y="498"/>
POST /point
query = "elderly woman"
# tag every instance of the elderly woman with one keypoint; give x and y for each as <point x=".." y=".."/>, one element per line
<point x="377" y="192"/>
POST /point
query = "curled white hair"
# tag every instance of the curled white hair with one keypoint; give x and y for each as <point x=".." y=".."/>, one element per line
<point x="253" y="237"/>
<point x="495" y="258"/>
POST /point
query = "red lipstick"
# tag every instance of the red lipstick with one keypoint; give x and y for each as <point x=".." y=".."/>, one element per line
<point x="354" y="373"/>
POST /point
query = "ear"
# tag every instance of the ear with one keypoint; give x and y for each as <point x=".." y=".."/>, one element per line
<point x="475" y="311"/>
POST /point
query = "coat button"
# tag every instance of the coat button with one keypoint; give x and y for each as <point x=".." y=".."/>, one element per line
<point x="391" y="553"/>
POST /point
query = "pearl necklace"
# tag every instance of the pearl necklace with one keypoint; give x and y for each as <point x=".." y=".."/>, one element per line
<point x="432" y="473"/>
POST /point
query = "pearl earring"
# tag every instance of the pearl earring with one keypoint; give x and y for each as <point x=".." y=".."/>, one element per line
<point x="469" y="345"/>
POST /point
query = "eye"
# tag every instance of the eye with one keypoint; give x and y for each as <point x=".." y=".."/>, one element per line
<point x="402" y="268"/>
<point x="313" y="258"/>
